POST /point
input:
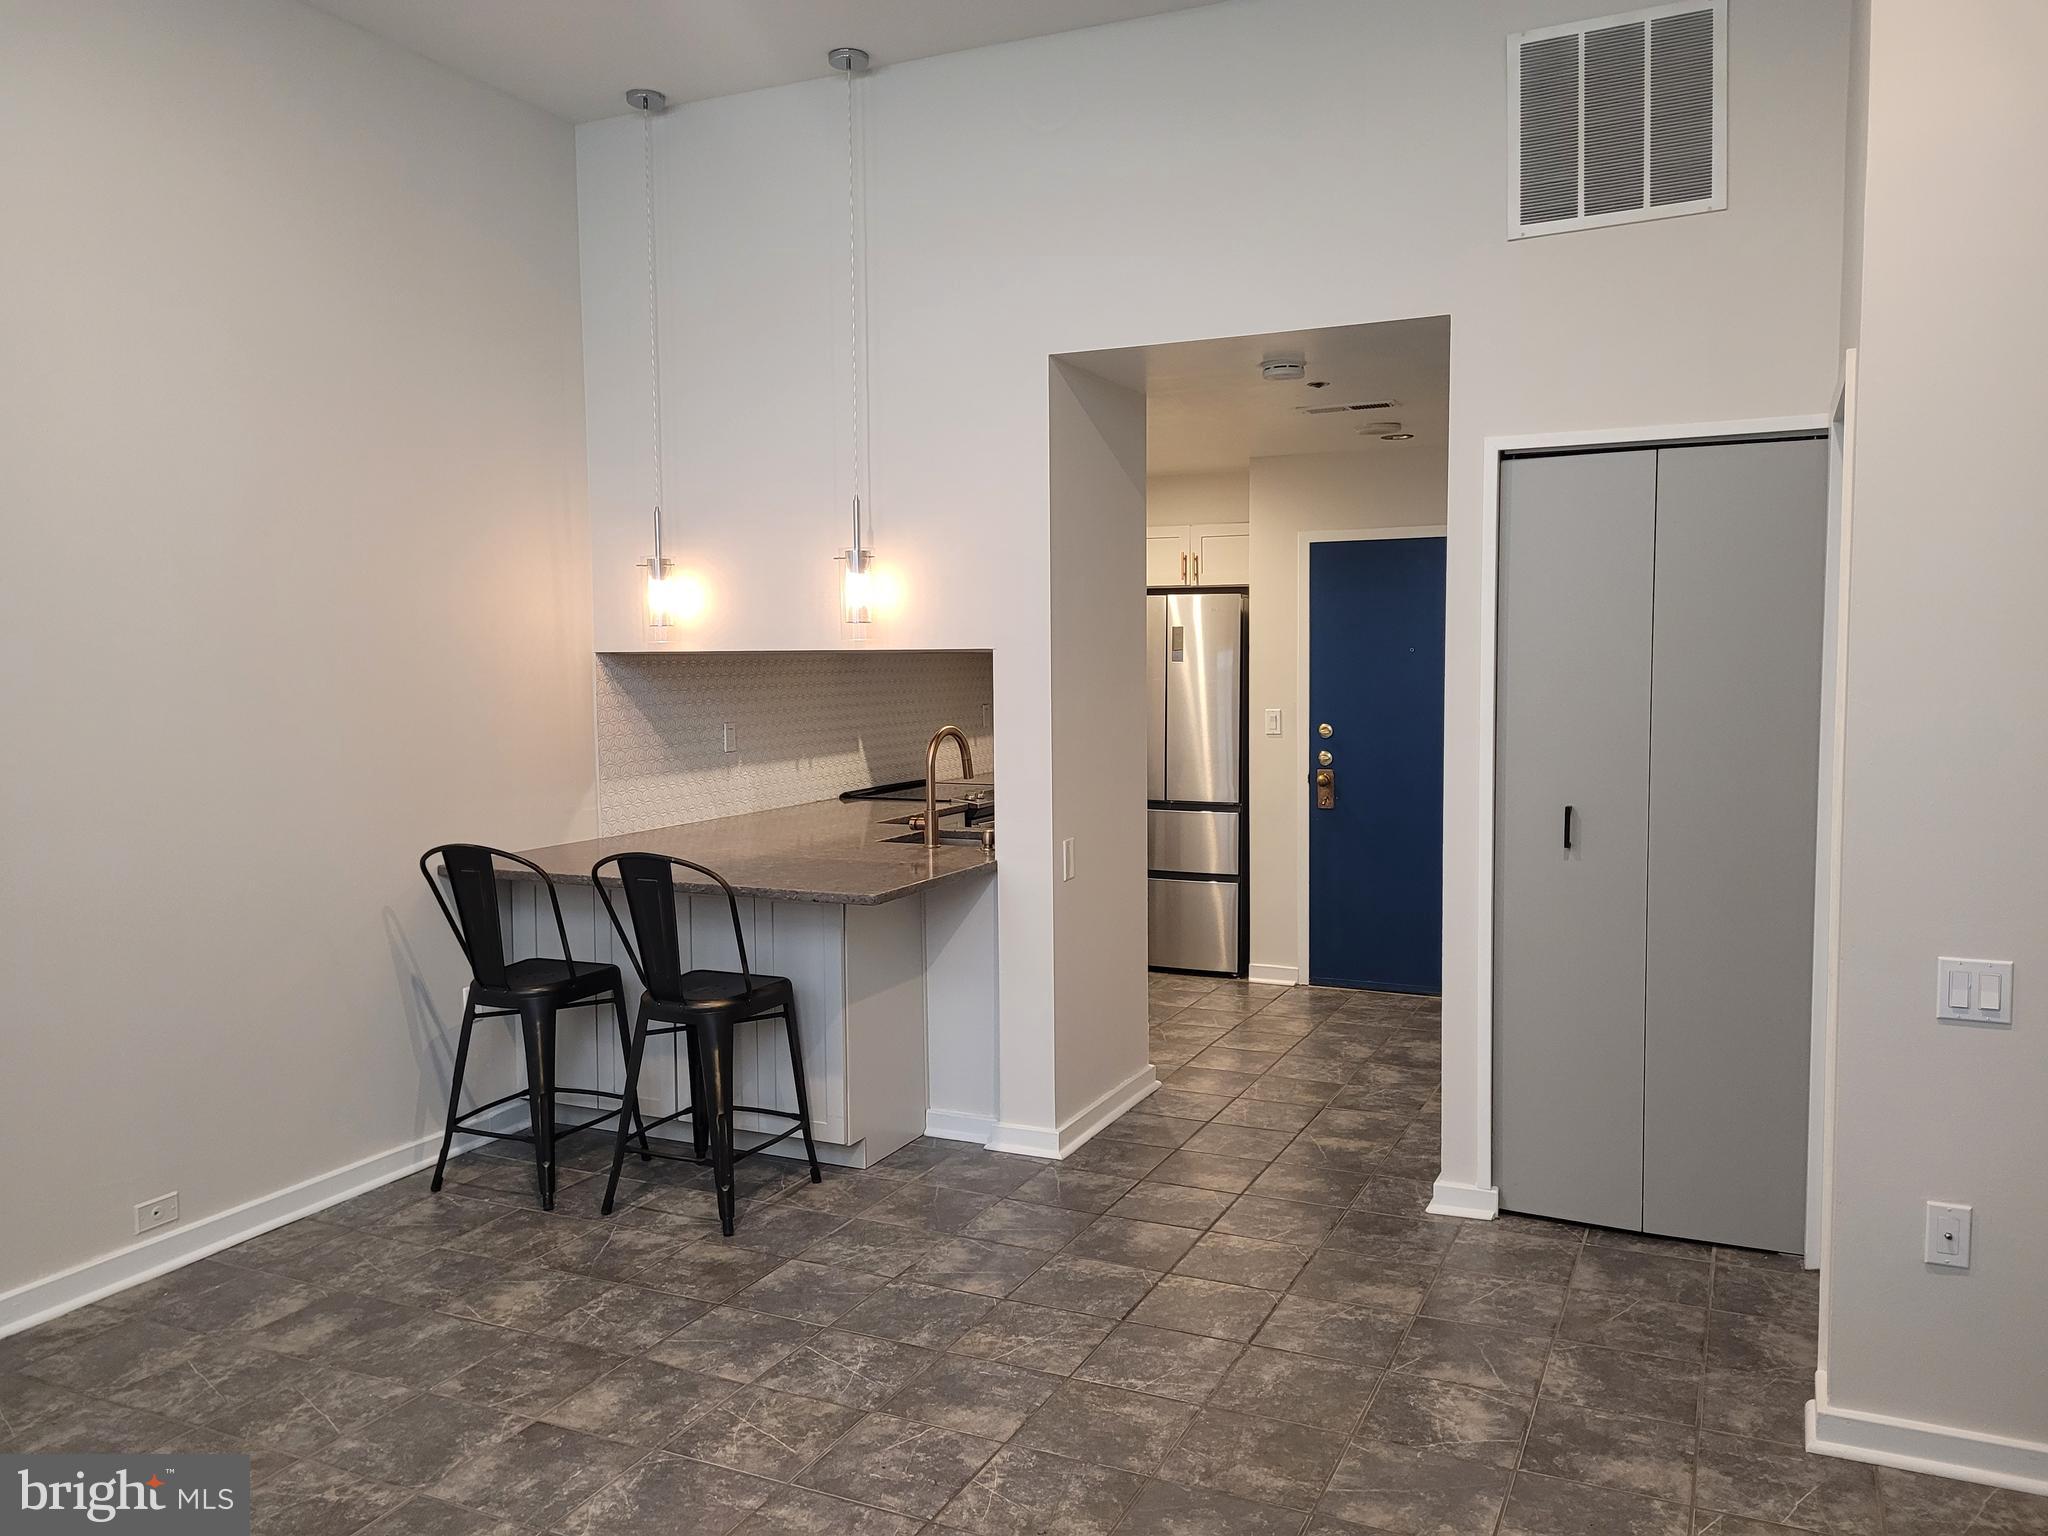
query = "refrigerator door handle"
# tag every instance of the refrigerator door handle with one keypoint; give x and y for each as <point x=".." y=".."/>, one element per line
<point x="1178" y="645"/>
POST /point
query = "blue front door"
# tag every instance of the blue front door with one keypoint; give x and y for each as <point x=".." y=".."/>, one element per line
<point x="1376" y="679"/>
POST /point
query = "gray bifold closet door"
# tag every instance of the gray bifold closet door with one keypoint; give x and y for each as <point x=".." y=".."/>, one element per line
<point x="1734" y="771"/>
<point x="1572" y="728"/>
<point x="1659" y="671"/>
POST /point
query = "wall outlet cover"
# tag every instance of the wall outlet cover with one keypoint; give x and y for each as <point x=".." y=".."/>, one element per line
<point x="160" y="1212"/>
<point x="1948" y="1235"/>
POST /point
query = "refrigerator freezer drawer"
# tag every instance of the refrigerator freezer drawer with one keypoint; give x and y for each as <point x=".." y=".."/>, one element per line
<point x="1192" y="842"/>
<point x="1194" y="924"/>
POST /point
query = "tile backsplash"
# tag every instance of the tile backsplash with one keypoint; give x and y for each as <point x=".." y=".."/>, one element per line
<point x="808" y="725"/>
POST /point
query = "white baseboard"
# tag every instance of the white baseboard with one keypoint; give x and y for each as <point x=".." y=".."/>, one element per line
<point x="1967" y="1455"/>
<point x="1279" y="975"/>
<point x="1077" y="1129"/>
<point x="66" y="1291"/>
<point x="1476" y="1202"/>
<point x="953" y="1125"/>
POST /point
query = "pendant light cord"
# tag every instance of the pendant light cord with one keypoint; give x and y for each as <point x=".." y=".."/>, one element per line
<point x="653" y="302"/>
<point x="854" y="328"/>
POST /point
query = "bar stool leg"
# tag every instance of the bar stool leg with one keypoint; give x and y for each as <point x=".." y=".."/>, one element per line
<point x="803" y="1097"/>
<point x="455" y="1090"/>
<point x="626" y="1045"/>
<point x="547" y="1050"/>
<point x="636" y="1049"/>
<point x="718" y="1071"/>
<point x="539" y="1105"/>
<point x="699" y="1119"/>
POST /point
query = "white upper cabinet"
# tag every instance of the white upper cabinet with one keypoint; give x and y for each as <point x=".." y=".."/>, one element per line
<point x="1199" y="555"/>
<point x="1223" y="556"/>
<point x="1166" y="557"/>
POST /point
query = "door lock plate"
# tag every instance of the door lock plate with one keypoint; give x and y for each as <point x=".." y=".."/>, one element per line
<point x="1326" y="789"/>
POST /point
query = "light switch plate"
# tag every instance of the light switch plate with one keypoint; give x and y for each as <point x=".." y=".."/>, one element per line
<point x="728" y="738"/>
<point x="1066" y="858"/>
<point x="1272" y="722"/>
<point x="1948" y="1235"/>
<point x="1973" y="991"/>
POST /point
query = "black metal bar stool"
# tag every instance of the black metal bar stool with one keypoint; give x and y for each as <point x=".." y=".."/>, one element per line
<point x="533" y="991"/>
<point x="694" y="1003"/>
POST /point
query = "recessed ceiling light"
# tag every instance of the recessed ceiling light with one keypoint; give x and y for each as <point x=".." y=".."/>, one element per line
<point x="1397" y="437"/>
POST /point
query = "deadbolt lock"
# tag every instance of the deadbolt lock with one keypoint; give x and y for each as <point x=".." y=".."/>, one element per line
<point x="1326" y="789"/>
<point x="1325" y="759"/>
<point x="1324" y="730"/>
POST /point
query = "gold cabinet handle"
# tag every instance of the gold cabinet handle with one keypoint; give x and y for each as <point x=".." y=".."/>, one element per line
<point x="1183" y="567"/>
<point x="1198" y="570"/>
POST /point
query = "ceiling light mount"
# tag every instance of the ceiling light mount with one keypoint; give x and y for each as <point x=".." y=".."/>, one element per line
<point x="1397" y="437"/>
<point x="853" y="61"/>
<point x="644" y="100"/>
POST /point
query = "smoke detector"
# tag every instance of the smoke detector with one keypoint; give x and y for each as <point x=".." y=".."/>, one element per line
<point x="1279" y="370"/>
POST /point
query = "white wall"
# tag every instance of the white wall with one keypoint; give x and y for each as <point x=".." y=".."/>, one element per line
<point x="295" y="584"/>
<point x="1063" y="194"/>
<point x="1400" y="487"/>
<point x="1179" y="501"/>
<point x="1945" y="830"/>
<point x="1097" y="454"/>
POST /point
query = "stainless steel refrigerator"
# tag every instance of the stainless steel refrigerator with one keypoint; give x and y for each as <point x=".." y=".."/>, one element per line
<point x="1195" y="678"/>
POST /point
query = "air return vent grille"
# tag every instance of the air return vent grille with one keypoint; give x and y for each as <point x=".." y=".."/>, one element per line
<point x="1618" y="119"/>
<point x="1340" y="410"/>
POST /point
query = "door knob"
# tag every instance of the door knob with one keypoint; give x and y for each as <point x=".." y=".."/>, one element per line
<point x="1325" y="759"/>
<point x="1324" y="730"/>
<point x="1326" y="789"/>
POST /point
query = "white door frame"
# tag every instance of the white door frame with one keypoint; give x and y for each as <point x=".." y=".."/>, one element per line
<point x="1483" y="1196"/>
<point x="1301" y="643"/>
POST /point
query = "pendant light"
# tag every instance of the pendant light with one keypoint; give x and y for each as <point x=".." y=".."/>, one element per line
<point x="859" y="592"/>
<point x="672" y="598"/>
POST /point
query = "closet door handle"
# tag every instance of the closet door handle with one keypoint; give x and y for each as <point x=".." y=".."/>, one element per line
<point x="1567" y="827"/>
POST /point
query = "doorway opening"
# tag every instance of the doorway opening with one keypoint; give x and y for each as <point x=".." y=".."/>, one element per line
<point x="1293" y="605"/>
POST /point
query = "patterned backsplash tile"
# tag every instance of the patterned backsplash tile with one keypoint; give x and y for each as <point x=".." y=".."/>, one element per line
<point x="810" y="725"/>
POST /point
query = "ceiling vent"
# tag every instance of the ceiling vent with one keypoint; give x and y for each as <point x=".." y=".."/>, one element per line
<point x="1619" y="119"/>
<point x="1340" y="410"/>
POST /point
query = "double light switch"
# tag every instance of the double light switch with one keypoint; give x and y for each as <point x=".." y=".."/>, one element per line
<point x="1973" y="991"/>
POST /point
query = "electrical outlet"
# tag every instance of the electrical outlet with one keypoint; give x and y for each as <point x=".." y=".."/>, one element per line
<point x="1948" y="1235"/>
<point x="160" y="1212"/>
<point x="1066" y="858"/>
<point x="728" y="738"/>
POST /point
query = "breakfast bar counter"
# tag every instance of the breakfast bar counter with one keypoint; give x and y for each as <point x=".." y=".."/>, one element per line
<point x="848" y="852"/>
<point x="890" y="946"/>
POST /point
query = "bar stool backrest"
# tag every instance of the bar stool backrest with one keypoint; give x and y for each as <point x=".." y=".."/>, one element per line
<point x="654" y="947"/>
<point x="473" y="882"/>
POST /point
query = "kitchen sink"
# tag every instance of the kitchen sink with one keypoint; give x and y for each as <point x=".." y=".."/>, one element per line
<point x="964" y="837"/>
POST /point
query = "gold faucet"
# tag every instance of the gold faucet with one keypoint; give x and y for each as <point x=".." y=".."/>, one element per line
<point x="931" y="777"/>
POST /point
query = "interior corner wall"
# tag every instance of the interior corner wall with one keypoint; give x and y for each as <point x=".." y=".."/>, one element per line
<point x="1119" y="187"/>
<point x="1400" y="487"/>
<point x="1945" y="829"/>
<point x="1207" y="496"/>
<point x="296" y="585"/>
<point x="1097" y="465"/>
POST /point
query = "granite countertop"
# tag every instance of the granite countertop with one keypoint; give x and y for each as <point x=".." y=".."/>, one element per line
<point x="829" y="850"/>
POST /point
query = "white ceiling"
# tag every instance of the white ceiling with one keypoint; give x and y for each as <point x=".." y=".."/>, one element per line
<point x="1207" y="408"/>
<point x="577" y="58"/>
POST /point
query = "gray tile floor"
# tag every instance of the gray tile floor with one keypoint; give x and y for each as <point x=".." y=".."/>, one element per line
<point x="1228" y="1314"/>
